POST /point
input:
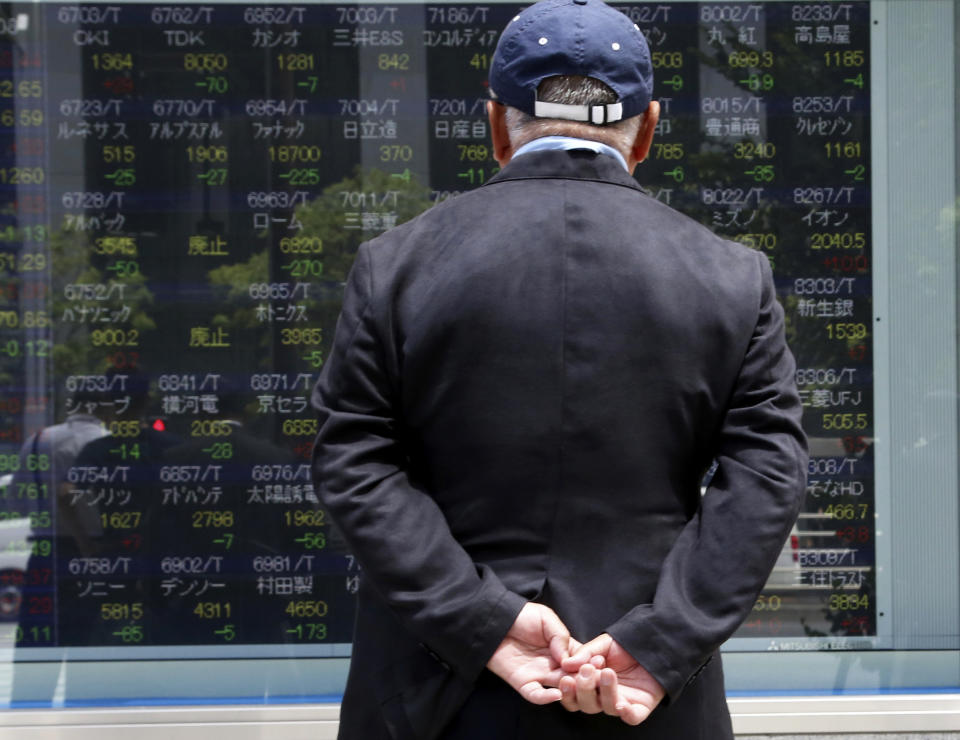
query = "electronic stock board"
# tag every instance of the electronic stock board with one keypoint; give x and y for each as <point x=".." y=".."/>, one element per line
<point x="182" y="190"/>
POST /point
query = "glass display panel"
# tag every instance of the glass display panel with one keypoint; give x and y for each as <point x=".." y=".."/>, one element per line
<point x="182" y="190"/>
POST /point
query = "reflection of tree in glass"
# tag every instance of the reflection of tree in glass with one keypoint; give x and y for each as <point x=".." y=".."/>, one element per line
<point x="780" y="159"/>
<point x="303" y="272"/>
<point x="392" y="199"/>
<point x="99" y="304"/>
<point x="235" y="280"/>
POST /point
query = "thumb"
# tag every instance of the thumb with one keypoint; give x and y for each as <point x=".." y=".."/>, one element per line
<point x="555" y="633"/>
<point x="599" y="645"/>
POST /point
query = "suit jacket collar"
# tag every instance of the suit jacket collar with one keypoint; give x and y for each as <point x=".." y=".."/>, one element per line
<point x="576" y="164"/>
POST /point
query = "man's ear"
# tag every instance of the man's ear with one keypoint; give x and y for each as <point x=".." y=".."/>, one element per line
<point x="643" y="142"/>
<point x="499" y="135"/>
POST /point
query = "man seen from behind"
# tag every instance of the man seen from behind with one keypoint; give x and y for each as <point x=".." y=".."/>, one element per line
<point x="527" y="385"/>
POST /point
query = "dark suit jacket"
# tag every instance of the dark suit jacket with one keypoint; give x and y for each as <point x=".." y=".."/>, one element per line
<point x="526" y="386"/>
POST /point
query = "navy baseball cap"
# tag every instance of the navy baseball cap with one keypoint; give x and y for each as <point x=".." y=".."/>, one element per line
<point x="573" y="37"/>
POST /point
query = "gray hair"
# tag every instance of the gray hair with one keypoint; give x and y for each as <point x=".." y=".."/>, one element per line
<point x="572" y="90"/>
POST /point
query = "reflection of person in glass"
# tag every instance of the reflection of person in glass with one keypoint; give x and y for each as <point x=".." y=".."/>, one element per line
<point x="526" y="386"/>
<point x="116" y="481"/>
<point x="47" y="457"/>
<point x="39" y="491"/>
<point x="42" y="483"/>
